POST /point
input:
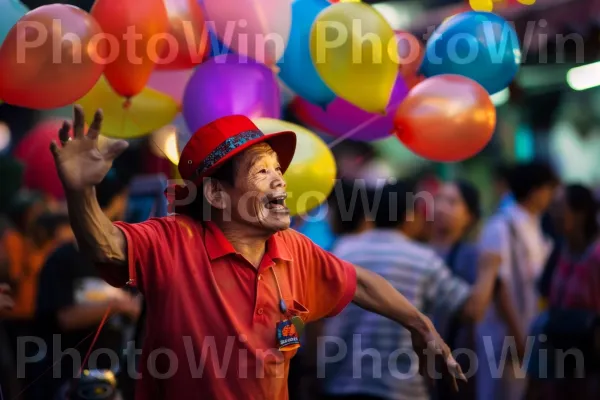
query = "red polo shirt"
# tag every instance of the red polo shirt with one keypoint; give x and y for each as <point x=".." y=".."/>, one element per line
<point x="212" y="316"/>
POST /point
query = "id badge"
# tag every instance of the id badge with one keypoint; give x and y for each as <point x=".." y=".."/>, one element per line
<point x="287" y="336"/>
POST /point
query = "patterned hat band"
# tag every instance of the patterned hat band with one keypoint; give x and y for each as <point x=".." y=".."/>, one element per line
<point x="227" y="147"/>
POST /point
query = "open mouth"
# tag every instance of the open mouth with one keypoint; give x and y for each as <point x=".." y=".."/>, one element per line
<point x="276" y="202"/>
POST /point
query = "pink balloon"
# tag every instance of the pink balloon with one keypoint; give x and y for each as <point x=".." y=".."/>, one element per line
<point x="172" y="83"/>
<point x="257" y="29"/>
<point x="341" y="118"/>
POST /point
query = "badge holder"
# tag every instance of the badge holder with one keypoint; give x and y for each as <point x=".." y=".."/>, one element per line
<point x="289" y="329"/>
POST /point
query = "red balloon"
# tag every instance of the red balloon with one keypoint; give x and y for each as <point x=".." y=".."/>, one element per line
<point x="34" y="151"/>
<point x="137" y="33"/>
<point x="189" y="43"/>
<point x="50" y="57"/>
<point x="446" y="118"/>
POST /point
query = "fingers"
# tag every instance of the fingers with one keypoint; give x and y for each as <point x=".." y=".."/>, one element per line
<point x="96" y="125"/>
<point x="115" y="148"/>
<point x="54" y="149"/>
<point x="63" y="133"/>
<point x="78" y="122"/>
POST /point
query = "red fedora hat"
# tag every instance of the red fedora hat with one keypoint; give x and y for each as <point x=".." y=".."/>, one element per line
<point x="219" y="141"/>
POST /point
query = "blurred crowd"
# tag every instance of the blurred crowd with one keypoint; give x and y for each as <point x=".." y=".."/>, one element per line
<point x="514" y="290"/>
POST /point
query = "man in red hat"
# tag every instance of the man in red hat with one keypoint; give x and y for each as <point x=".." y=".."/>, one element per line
<point x="228" y="286"/>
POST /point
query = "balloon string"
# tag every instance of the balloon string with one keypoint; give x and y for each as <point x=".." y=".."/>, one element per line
<point x="363" y="125"/>
<point x="354" y="130"/>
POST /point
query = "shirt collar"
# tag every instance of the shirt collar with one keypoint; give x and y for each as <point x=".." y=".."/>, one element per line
<point x="218" y="246"/>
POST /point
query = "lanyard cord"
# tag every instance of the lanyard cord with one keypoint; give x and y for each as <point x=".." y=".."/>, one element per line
<point x="282" y="306"/>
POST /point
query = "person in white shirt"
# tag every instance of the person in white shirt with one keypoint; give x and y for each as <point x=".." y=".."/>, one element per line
<point x="516" y="236"/>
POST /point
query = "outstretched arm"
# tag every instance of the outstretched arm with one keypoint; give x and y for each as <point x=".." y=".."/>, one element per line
<point x="374" y="293"/>
<point x="81" y="165"/>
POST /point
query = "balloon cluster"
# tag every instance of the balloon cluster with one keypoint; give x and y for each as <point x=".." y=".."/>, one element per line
<point x="150" y="63"/>
<point x="356" y="78"/>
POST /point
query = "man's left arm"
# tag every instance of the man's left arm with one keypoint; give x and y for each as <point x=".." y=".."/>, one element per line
<point x="375" y="294"/>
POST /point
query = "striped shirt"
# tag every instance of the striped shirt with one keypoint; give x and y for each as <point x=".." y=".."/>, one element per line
<point x="378" y="359"/>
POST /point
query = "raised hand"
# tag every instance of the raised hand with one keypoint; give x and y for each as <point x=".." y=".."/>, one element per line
<point x="80" y="163"/>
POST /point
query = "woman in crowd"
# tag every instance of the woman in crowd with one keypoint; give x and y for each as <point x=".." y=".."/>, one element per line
<point x="457" y="212"/>
<point x="575" y="294"/>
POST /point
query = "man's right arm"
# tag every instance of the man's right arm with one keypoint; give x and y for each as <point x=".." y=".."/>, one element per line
<point x="98" y="239"/>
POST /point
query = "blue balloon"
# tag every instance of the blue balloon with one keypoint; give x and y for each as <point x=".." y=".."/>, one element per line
<point x="296" y="66"/>
<point x="479" y="45"/>
<point x="12" y="11"/>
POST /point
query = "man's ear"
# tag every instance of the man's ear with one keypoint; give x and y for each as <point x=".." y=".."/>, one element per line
<point x="215" y="194"/>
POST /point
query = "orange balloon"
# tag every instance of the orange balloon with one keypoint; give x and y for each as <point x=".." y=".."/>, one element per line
<point x="190" y="42"/>
<point x="49" y="58"/>
<point x="446" y="118"/>
<point x="410" y="53"/>
<point x="136" y="32"/>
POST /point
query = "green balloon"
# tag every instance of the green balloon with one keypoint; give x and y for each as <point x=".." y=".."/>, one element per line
<point x="11" y="11"/>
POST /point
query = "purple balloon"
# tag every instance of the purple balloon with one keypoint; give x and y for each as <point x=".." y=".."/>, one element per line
<point x="340" y="118"/>
<point x="227" y="85"/>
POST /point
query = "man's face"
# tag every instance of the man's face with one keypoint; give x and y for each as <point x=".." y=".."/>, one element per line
<point x="258" y="195"/>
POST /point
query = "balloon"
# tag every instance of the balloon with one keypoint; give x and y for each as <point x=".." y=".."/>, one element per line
<point x="12" y="12"/>
<point x="362" y="73"/>
<point x="256" y="29"/>
<point x="446" y="118"/>
<point x="341" y="118"/>
<point x="311" y="175"/>
<point x="190" y="43"/>
<point x="227" y="85"/>
<point x="296" y="68"/>
<point x="34" y="151"/>
<point x="171" y="83"/>
<point x="410" y="53"/>
<point x="50" y="58"/>
<point x="479" y="45"/>
<point x="146" y="112"/>
<point x="128" y="67"/>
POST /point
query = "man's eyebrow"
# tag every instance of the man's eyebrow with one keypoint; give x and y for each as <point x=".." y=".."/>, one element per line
<point x="258" y="157"/>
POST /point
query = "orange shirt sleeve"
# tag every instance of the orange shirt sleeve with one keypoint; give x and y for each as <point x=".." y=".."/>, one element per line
<point x="329" y="283"/>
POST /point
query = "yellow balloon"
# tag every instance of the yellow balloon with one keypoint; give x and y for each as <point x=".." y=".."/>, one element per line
<point x="148" y="111"/>
<point x="311" y="175"/>
<point x="354" y="50"/>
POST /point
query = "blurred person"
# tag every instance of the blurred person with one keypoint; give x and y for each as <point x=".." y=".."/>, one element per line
<point x="238" y="275"/>
<point x="515" y="237"/>
<point x="388" y="369"/>
<point x="26" y="246"/>
<point x="426" y="190"/>
<point x="500" y="179"/>
<point x="457" y="213"/>
<point x="73" y="300"/>
<point x="346" y="214"/>
<point x="574" y="302"/>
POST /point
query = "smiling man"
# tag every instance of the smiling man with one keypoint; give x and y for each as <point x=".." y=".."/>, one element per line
<point x="228" y="286"/>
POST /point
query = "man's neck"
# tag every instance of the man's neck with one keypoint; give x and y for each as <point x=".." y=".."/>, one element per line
<point x="251" y="245"/>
